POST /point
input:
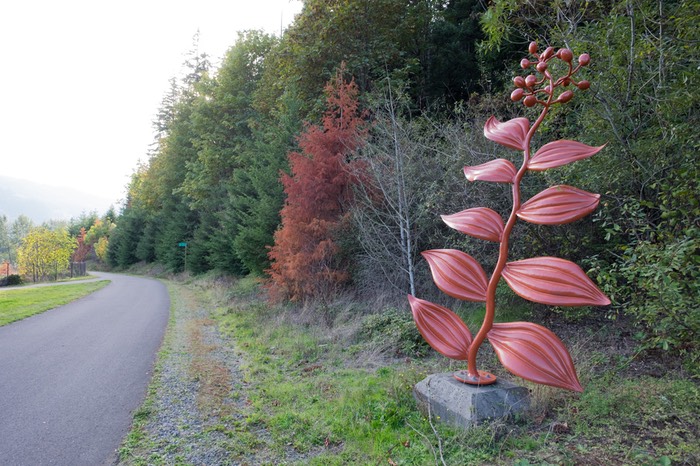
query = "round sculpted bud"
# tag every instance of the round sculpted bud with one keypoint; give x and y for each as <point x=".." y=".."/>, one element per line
<point x="530" y="101"/>
<point x="584" y="59"/>
<point x="565" y="55"/>
<point x="583" y="85"/>
<point x="519" y="81"/>
<point x="524" y="63"/>
<point x="547" y="53"/>
<point x="516" y="95"/>
<point x="542" y="66"/>
<point x="531" y="80"/>
<point x="548" y="89"/>
<point x="565" y="96"/>
<point x="532" y="48"/>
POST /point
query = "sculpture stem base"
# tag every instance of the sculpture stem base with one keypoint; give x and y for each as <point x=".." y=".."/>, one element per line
<point x="484" y="378"/>
<point x="443" y="398"/>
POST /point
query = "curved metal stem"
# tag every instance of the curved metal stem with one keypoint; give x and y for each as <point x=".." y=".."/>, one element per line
<point x="503" y="248"/>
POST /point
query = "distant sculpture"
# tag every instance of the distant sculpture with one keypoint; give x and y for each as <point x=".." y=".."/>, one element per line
<point x="525" y="349"/>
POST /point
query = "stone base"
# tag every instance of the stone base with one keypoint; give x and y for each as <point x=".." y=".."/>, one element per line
<point x="464" y="405"/>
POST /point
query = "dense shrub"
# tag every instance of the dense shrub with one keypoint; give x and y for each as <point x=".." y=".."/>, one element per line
<point x="12" y="280"/>
<point x="395" y="329"/>
<point x="664" y="280"/>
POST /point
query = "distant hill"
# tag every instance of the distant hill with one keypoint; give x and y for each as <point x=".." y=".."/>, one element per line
<point x="41" y="202"/>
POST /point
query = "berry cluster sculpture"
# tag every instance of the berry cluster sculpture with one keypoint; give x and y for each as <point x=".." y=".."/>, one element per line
<point x="525" y="349"/>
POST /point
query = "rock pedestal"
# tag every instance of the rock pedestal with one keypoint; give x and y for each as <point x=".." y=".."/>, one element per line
<point x="464" y="405"/>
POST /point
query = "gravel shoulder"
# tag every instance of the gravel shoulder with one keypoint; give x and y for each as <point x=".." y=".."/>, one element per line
<point x="196" y="412"/>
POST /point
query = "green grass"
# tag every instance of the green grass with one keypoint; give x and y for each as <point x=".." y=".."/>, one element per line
<point x="314" y="391"/>
<point x="17" y="304"/>
<point x="654" y="418"/>
<point x="305" y="391"/>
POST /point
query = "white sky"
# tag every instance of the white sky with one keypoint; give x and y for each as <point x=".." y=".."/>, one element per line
<point x="82" y="80"/>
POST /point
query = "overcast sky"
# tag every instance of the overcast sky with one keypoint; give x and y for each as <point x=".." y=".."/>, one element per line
<point x="82" y="80"/>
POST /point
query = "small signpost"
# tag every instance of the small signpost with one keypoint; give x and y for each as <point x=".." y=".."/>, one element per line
<point x="183" y="244"/>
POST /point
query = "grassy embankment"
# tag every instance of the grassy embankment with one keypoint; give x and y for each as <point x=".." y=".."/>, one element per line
<point x="333" y="385"/>
<point x="20" y="303"/>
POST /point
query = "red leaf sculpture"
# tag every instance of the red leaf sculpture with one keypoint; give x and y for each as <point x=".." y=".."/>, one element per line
<point x="558" y="205"/>
<point x="528" y="350"/>
<point x="479" y="222"/>
<point x="458" y="274"/>
<point x="553" y="281"/>
<point x="558" y="153"/>
<point x="498" y="171"/>
<point x="511" y="133"/>
<point x="441" y="328"/>
<point x="534" y="353"/>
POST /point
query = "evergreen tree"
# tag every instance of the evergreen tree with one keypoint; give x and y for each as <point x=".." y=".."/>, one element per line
<point x="256" y="193"/>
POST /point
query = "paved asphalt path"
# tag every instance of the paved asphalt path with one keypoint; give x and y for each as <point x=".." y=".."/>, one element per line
<point x="70" y="378"/>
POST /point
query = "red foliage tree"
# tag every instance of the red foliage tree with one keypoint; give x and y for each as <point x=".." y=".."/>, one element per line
<point x="83" y="249"/>
<point x="318" y="191"/>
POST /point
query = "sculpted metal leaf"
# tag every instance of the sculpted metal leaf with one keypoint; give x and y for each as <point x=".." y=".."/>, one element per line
<point x="534" y="353"/>
<point x="441" y="328"/>
<point x="479" y="222"/>
<point x="458" y="274"/>
<point x="558" y="153"/>
<point x="553" y="281"/>
<point x="558" y="205"/>
<point x="498" y="171"/>
<point x="511" y="133"/>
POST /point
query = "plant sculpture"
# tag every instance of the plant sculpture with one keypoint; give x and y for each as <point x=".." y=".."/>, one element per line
<point x="527" y="350"/>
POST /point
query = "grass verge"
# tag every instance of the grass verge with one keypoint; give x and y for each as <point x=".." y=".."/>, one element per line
<point x="332" y="384"/>
<point x="325" y="400"/>
<point x="17" y="304"/>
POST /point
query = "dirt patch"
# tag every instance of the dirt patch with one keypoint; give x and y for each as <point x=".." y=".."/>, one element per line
<point x="211" y="374"/>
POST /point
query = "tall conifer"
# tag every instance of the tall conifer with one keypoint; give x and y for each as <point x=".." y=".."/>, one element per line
<point x="305" y="259"/>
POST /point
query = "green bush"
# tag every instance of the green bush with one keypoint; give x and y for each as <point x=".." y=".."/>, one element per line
<point x="396" y="329"/>
<point x="12" y="280"/>
<point x="664" y="284"/>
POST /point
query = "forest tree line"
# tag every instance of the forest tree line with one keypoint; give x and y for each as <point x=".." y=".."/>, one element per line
<point x="322" y="159"/>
